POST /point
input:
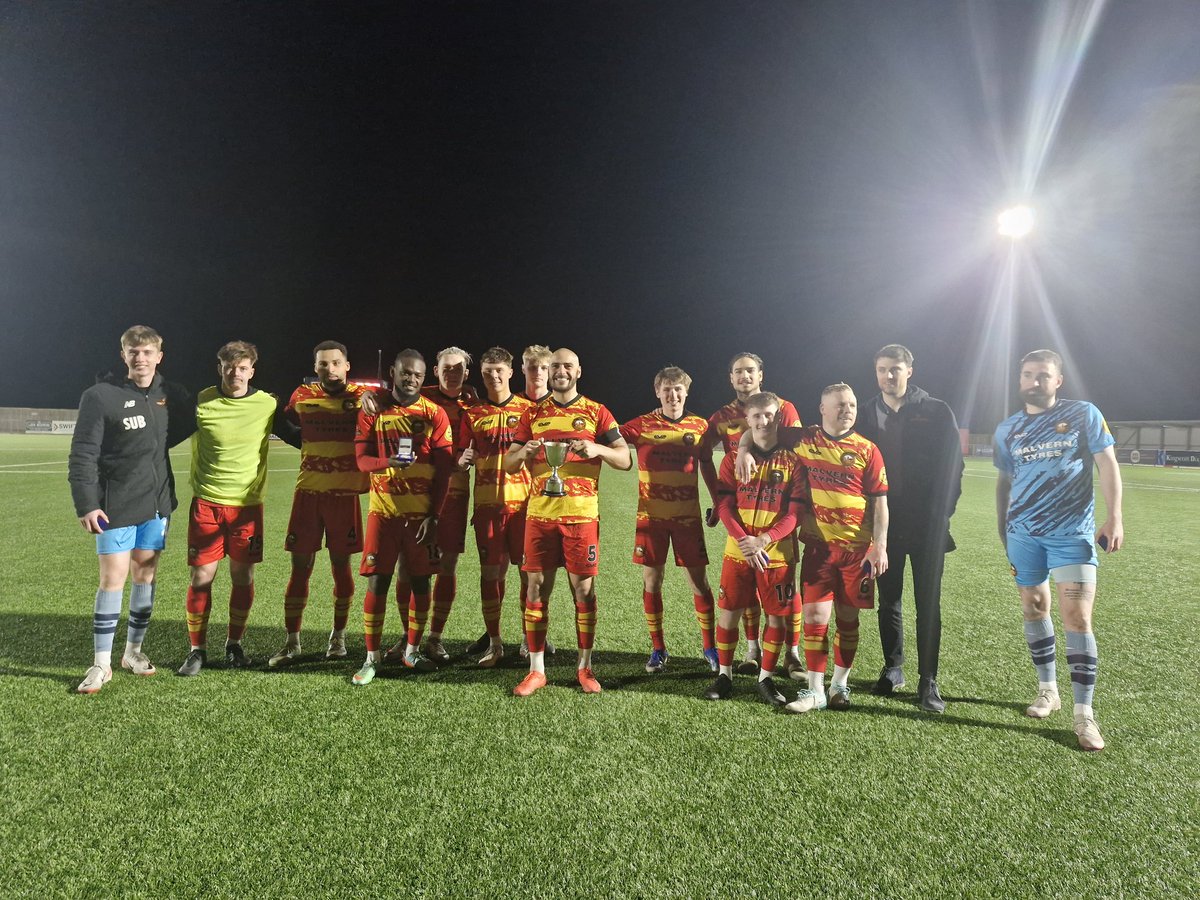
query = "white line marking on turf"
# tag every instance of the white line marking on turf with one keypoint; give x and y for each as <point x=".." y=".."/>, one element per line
<point x="1165" y="489"/>
<point x="53" y="462"/>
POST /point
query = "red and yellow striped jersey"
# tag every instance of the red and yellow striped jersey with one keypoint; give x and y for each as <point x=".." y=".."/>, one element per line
<point x="581" y="419"/>
<point x="727" y="425"/>
<point x="417" y="490"/>
<point x="767" y="504"/>
<point x="489" y="428"/>
<point x="327" y="425"/>
<point x="842" y="473"/>
<point x="667" y="458"/>
<point x="453" y="407"/>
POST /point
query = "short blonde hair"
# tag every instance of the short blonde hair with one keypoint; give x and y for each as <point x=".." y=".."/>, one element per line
<point x="137" y="335"/>
<point x="536" y="353"/>
<point x="672" y="375"/>
<point x="237" y="350"/>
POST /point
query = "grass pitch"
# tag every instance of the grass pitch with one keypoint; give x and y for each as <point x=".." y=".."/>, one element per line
<point x="296" y="784"/>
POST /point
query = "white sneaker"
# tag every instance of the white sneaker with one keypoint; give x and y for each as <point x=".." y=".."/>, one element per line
<point x="137" y="663"/>
<point x="95" y="678"/>
<point x="807" y="701"/>
<point x="1088" y="732"/>
<point x="337" y="647"/>
<point x="1043" y="704"/>
<point x="288" y="655"/>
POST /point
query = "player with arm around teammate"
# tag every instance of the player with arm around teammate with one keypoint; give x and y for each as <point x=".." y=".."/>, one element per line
<point x="234" y="423"/>
<point x="668" y="445"/>
<point x="500" y="497"/>
<point x="325" y="502"/>
<point x="124" y="492"/>
<point x="844" y="530"/>
<point x="1045" y="506"/>
<point x="759" y="567"/>
<point x="725" y="429"/>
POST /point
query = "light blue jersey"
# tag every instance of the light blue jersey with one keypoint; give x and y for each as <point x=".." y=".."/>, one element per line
<point x="1048" y="458"/>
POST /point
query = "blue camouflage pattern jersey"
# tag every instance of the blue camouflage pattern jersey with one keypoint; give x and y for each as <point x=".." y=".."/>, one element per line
<point x="1048" y="458"/>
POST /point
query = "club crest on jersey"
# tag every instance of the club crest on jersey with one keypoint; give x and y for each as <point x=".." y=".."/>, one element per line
<point x="162" y="402"/>
<point x="348" y="405"/>
<point x="371" y="559"/>
<point x="418" y="426"/>
<point x="1062" y="427"/>
<point x="776" y="476"/>
<point x="721" y="593"/>
<point x="510" y="422"/>
<point x="577" y="423"/>
<point x="689" y="439"/>
<point x="848" y="458"/>
<point x="639" y="551"/>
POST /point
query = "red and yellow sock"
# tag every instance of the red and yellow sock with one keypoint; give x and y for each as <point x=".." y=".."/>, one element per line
<point x="704" y="617"/>
<point x="374" y="610"/>
<point x="198" y="605"/>
<point x="845" y="642"/>
<point x="727" y="640"/>
<point x="652" y="606"/>
<point x="816" y="647"/>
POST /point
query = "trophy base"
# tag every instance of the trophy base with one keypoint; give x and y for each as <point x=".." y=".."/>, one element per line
<point x="546" y="493"/>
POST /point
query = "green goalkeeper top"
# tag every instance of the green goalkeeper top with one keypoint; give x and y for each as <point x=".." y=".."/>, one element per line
<point x="229" y="446"/>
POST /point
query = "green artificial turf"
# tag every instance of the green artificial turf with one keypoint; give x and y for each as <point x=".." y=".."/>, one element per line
<point x="296" y="784"/>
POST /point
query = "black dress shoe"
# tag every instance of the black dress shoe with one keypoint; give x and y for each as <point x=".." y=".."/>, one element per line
<point x="720" y="689"/>
<point x="930" y="697"/>
<point x="890" y="679"/>
<point x="770" y="693"/>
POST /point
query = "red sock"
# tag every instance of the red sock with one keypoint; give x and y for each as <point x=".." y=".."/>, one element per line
<point x="491" y="593"/>
<point x="585" y="622"/>
<point x="343" y="593"/>
<point x="845" y="643"/>
<point x="403" y="601"/>
<point x="816" y="647"/>
<point x="772" y="644"/>
<point x="727" y="639"/>
<point x="537" y="620"/>
<point x="199" y="604"/>
<point x="750" y="619"/>
<point x="295" y="598"/>
<point x="704" y="616"/>
<point x="241" y="598"/>
<point x="443" y="598"/>
<point x="418" y="613"/>
<point x="653" y="608"/>
<point x="374" y="609"/>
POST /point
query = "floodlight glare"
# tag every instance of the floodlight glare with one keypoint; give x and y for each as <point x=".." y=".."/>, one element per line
<point x="1016" y="222"/>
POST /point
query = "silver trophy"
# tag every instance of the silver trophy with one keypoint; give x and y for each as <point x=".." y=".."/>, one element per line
<point x="556" y="455"/>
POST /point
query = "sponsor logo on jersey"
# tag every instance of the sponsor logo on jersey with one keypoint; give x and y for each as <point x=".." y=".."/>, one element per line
<point x="129" y="403"/>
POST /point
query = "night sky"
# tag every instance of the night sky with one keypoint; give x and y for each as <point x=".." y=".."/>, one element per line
<point x="648" y="183"/>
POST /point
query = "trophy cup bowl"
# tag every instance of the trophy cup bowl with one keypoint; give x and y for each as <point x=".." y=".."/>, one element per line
<point x="556" y="455"/>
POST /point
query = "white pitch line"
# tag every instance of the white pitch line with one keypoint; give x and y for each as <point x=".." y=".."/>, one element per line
<point x="1164" y="489"/>
<point x="53" y="462"/>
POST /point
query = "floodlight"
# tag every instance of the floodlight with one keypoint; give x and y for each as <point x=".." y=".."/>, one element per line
<point x="1016" y="222"/>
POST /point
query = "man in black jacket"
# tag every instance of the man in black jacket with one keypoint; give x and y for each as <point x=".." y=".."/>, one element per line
<point x="921" y="448"/>
<point x="124" y="491"/>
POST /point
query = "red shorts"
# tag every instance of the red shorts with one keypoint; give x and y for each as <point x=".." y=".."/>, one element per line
<point x="744" y="587"/>
<point x="651" y="540"/>
<point x="499" y="534"/>
<point x="549" y="545"/>
<point x="452" y="524"/>
<point x="336" y="516"/>
<point x="830" y="573"/>
<point x="388" y="539"/>
<point x="216" y="531"/>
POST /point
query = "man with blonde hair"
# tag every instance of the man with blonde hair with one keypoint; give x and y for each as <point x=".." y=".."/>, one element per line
<point x="124" y="491"/>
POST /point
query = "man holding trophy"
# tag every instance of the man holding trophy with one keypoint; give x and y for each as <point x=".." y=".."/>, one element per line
<point x="563" y="440"/>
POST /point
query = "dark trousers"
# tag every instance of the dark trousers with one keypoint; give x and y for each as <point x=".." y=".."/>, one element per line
<point x="927" y="568"/>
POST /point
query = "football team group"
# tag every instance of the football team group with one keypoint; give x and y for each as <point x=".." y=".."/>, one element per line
<point x="536" y="458"/>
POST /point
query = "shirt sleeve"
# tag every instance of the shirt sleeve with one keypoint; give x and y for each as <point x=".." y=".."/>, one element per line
<point x="1098" y="435"/>
<point x="607" y="430"/>
<point x="524" y="433"/>
<point x="366" y="447"/>
<point x="83" y="465"/>
<point x="875" y="475"/>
